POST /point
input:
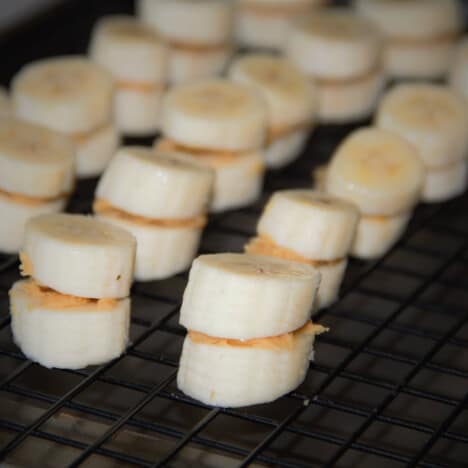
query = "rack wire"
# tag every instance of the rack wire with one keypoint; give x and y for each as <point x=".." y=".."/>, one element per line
<point x="389" y="385"/>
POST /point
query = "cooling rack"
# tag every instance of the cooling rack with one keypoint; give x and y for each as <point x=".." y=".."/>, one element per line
<point x="389" y="386"/>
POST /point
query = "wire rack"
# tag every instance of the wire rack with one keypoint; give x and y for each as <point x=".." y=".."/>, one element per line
<point x="389" y="386"/>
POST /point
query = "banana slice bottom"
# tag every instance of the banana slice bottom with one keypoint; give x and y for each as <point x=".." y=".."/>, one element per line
<point x="15" y="214"/>
<point x="233" y="373"/>
<point x="137" y="109"/>
<point x="162" y="250"/>
<point x="376" y="235"/>
<point x="95" y="149"/>
<point x="284" y="150"/>
<point x="66" y="332"/>
<point x="344" y="101"/>
<point x="444" y="183"/>
<point x="331" y="272"/>
<point x="238" y="176"/>
<point x="319" y="177"/>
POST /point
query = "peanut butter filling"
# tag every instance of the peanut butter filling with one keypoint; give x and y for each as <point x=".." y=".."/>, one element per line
<point x="265" y="245"/>
<point x="281" y="132"/>
<point x="331" y="82"/>
<point x="140" y="87"/>
<point x="104" y="207"/>
<point x="49" y="299"/>
<point x="279" y="343"/>
<point x="26" y="266"/>
<point x="28" y="200"/>
<point x="195" y="47"/>
<point x="447" y="37"/>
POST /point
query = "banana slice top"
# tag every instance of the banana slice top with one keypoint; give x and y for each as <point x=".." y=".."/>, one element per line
<point x="79" y="230"/>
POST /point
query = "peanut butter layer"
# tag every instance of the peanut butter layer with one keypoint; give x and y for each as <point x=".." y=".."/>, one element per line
<point x="447" y="37"/>
<point x="104" y="207"/>
<point x="279" y="343"/>
<point x="27" y="200"/>
<point x="265" y="245"/>
<point x="281" y="132"/>
<point x="197" y="47"/>
<point x="49" y="299"/>
<point x="140" y="87"/>
<point x="26" y="266"/>
<point x="330" y="82"/>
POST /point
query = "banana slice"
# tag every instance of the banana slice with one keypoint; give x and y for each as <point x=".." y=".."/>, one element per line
<point x="225" y="291"/>
<point x="199" y="22"/>
<point x="94" y="150"/>
<point x="215" y="114"/>
<point x="162" y="250"/>
<point x="191" y="63"/>
<point x="283" y="151"/>
<point x="67" y="94"/>
<point x="319" y="177"/>
<point x="231" y="373"/>
<point x="5" y="104"/>
<point x="154" y="184"/>
<point x="376" y="235"/>
<point x="431" y="117"/>
<point x="459" y="70"/>
<point x="64" y="331"/>
<point x="444" y="183"/>
<point x="79" y="255"/>
<point x="421" y="34"/>
<point x="131" y="51"/>
<point x="315" y="225"/>
<point x="34" y="161"/>
<point x="334" y="44"/>
<point x="378" y="171"/>
<point x="16" y="213"/>
<point x="265" y="23"/>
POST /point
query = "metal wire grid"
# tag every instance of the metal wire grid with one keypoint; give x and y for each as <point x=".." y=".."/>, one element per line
<point x="389" y="385"/>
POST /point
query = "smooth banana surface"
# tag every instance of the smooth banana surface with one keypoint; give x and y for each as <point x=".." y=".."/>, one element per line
<point x="234" y="373"/>
<point x="244" y="296"/>
<point x="79" y="255"/>
<point x="376" y="235"/>
<point x="215" y="114"/>
<point x="35" y="161"/>
<point x="331" y="275"/>
<point x="154" y="184"/>
<point x="444" y="183"/>
<point x="315" y="225"/>
<point x="283" y="151"/>
<point x="378" y="171"/>
<point x="432" y="117"/>
<point x="68" y="94"/>
<point x="65" y="332"/>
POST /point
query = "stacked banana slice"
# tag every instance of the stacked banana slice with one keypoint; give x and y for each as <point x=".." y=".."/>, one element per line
<point x="380" y="172"/>
<point x="137" y="59"/>
<point x="73" y="96"/>
<point x="309" y="227"/>
<point x="459" y="70"/>
<point x="5" y="105"/>
<point x="250" y="338"/>
<point x="420" y="34"/>
<point x="162" y="200"/>
<point x="291" y="100"/>
<point x="434" y="119"/>
<point x="36" y="177"/>
<point x="264" y="23"/>
<point x="199" y="34"/>
<point x="222" y="124"/>
<point x="342" y="53"/>
<point x="74" y="311"/>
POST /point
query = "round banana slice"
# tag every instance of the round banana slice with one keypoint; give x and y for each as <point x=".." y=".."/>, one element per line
<point x="79" y="255"/>
<point x="34" y="161"/>
<point x="162" y="250"/>
<point x="265" y="23"/>
<point x="283" y="151"/>
<point x="331" y="274"/>
<point x="187" y="64"/>
<point x="334" y="44"/>
<point x="289" y="94"/>
<point x="15" y="213"/>
<point x="444" y="183"/>
<point x="246" y="296"/>
<point x="67" y="94"/>
<point x="67" y="332"/>
<point x="459" y="69"/>
<point x="433" y="118"/>
<point x="129" y="50"/>
<point x="215" y="114"/>
<point x="5" y="104"/>
<point x="376" y="235"/>
<point x="378" y="171"/>
<point x="232" y="373"/>
<point x="94" y="150"/>
<point x="199" y="22"/>
<point x="154" y="184"/>
<point x="315" y="225"/>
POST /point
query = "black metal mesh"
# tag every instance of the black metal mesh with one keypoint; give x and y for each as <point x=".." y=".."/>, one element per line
<point x="389" y="387"/>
